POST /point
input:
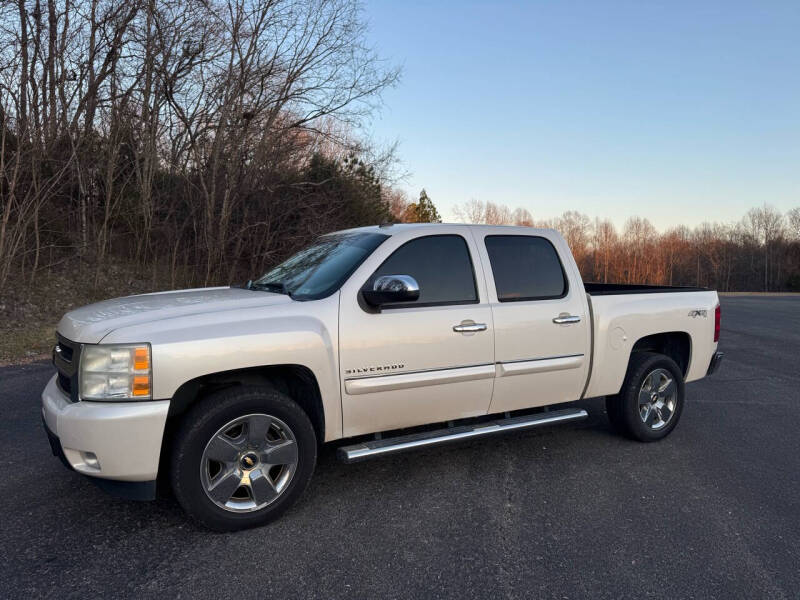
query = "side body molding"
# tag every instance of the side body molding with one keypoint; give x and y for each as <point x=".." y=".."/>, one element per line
<point x="540" y="365"/>
<point x="414" y="379"/>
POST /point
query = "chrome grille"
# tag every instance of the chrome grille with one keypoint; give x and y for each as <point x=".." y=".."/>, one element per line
<point x="66" y="355"/>
<point x="66" y="351"/>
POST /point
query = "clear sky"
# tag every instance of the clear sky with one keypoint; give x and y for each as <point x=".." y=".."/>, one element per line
<point x="678" y="111"/>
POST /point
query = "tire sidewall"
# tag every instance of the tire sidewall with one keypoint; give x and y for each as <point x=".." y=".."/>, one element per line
<point x="630" y="397"/>
<point x="204" y="420"/>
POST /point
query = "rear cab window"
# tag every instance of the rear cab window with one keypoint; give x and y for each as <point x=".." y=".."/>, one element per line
<point x="525" y="267"/>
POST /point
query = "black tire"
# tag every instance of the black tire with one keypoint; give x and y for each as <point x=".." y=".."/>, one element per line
<point x="203" y="421"/>
<point x="624" y="408"/>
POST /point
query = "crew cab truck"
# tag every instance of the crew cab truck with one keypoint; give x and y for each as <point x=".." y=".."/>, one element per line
<point x="227" y="392"/>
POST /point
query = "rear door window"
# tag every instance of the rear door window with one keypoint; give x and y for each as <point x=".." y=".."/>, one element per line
<point x="525" y="268"/>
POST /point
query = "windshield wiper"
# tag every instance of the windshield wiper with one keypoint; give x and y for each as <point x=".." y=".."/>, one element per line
<point x="270" y="286"/>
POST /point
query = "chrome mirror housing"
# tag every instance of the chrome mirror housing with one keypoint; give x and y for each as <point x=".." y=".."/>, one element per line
<point x="389" y="289"/>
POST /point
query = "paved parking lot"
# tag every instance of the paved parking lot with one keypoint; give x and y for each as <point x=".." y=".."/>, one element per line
<point x="713" y="511"/>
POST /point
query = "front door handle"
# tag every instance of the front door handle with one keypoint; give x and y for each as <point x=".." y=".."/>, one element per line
<point x="469" y="327"/>
<point x="565" y="318"/>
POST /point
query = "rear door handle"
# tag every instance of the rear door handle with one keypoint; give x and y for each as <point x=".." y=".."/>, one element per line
<point x="469" y="327"/>
<point x="564" y="318"/>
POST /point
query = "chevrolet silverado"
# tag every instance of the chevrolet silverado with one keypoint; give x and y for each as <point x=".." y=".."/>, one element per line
<point x="367" y="334"/>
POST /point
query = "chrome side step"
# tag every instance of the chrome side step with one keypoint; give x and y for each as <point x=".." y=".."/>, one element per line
<point x="381" y="447"/>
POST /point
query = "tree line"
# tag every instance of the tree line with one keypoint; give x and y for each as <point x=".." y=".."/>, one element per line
<point x="203" y="139"/>
<point x="761" y="252"/>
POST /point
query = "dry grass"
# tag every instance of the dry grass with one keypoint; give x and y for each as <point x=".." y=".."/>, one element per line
<point x="29" y="312"/>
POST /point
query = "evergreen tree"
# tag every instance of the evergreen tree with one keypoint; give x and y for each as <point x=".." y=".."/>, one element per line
<point x="422" y="211"/>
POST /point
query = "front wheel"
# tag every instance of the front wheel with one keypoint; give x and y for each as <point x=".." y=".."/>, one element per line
<point x="650" y="402"/>
<point x="242" y="457"/>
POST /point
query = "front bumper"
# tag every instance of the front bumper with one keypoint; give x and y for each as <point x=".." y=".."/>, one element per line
<point x="118" y="441"/>
<point x="131" y="490"/>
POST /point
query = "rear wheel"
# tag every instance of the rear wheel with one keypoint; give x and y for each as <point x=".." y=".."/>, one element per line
<point x="242" y="457"/>
<point x="650" y="402"/>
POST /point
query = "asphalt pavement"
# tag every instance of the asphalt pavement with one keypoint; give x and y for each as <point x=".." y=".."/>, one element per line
<point x="574" y="511"/>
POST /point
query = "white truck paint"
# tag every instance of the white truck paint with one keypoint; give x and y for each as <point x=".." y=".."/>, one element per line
<point x="375" y="370"/>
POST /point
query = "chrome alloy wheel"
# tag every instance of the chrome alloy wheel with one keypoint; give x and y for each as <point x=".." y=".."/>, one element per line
<point x="249" y="462"/>
<point x="657" y="399"/>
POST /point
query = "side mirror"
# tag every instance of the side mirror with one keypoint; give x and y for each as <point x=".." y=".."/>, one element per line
<point x="391" y="289"/>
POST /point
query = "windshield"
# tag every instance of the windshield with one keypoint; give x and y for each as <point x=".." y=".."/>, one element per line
<point x="322" y="268"/>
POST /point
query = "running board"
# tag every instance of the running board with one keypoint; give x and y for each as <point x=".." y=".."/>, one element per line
<point x="381" y="447"/>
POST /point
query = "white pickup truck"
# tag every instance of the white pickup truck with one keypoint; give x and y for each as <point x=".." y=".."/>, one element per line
<point x="367" y="334"/>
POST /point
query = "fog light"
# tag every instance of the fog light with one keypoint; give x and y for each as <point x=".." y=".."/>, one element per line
<point x="90" y="460"/>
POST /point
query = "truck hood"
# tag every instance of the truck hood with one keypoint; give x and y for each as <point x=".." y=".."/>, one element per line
<point x="90" y="324"/>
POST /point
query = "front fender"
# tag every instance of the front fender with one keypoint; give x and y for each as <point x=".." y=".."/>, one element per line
<point x="188" y="348"/>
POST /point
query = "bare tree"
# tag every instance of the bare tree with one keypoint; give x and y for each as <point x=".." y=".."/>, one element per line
<point x="576" y="229"/>
<point x="471" y="211"/>
<point x="522" y="217"/>
<point x="765" y="224"/>
<point x="147" y="116"/>
<point x="491" y="213"/>
<point x="793" y="218"/>
<point x="202" y="141"/>
<point x="398" y="202"/>
<point x="604" y="242"/>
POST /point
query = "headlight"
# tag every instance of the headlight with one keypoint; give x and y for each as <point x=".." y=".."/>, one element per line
<point x="116" y="372"/>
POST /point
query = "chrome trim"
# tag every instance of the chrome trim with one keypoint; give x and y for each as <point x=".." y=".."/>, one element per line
<point x="591" y="346"/>
<point x="469" y="327"/>
<point x="389" y="283"/>
<point x="422" y="377"/>
<point x="371" y="449"/>
<point x="565" y="319"/>
<point x="539" y="365"/>
<point x="658" y="399"/>
<point x="60" y="353"/>
<point x="260" y="458"/>
<point x="413" y="379"/>
<point x="431" y="370"/>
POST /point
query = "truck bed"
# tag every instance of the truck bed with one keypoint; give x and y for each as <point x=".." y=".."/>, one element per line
<point x="616" y="289"/>
<point x="622" y="315"/>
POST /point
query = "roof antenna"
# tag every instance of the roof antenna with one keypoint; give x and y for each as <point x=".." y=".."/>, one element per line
<point x="384" y="225"/>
